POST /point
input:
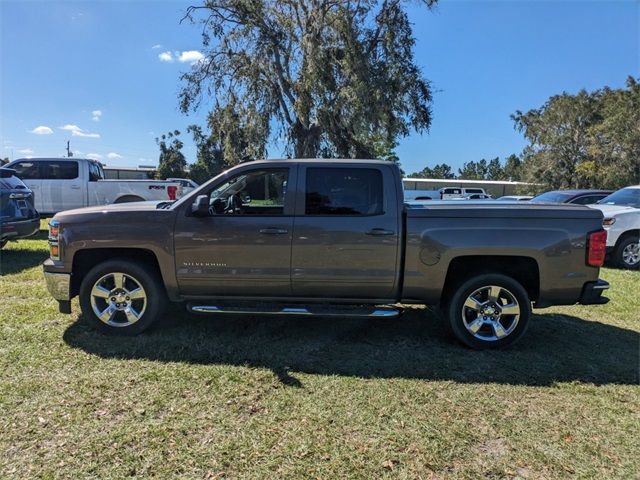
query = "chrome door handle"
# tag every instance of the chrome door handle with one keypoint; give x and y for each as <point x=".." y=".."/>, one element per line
<point x="273" y="231"/>
<point x="379" y="232"/>
<point x="75" y="187"/>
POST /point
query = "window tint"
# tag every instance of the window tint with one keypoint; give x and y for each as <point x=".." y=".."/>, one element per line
<point x="59" y="170"/>
<point x="452" y="191"/>
<point x="258" y="192"/>
<point x="474" y="190"/>
<point x="588" y="199"/>
<point x="95" y="173"/>
<point x="26" y="170"/>
<point x="343" y="191"/>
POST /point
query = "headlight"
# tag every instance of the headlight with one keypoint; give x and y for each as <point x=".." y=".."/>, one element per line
<point x="54" y="235"/>
<point x="607" y="222"/>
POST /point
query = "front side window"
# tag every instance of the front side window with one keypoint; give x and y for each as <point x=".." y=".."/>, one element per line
<point x="343" y="191"/>
<point x="59" y="170"/>
<point x="257" y="192"/>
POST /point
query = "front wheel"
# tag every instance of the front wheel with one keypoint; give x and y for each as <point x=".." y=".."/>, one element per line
<point x="627" y="253"/>
<point x="121" y="297"/>
<point x="489" y="311"/>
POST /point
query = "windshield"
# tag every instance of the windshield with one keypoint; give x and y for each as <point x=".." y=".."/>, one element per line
<point x="627" y="196"/>
<point x="554" y="197"/>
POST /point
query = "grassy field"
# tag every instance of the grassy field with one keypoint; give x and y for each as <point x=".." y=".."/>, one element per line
<point x="314" y="398"/>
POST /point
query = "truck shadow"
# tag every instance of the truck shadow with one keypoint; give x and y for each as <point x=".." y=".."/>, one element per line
<point x="557" y="348"/>
<point x="16" y="256"/>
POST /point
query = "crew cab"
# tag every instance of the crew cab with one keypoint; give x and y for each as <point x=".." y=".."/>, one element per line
<point x="621" y="212"/>
<point x="326" y="237"/>
<point x="67" y="183"/>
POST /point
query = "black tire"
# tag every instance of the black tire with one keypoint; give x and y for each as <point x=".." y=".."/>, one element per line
<point x="135" y="274"/>
<point x="626" y="243"/>
<point x="489" y="335"/>
<point x="3" y="243"/>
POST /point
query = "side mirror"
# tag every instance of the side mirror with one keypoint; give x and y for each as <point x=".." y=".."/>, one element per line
<point x="200" y="207"/>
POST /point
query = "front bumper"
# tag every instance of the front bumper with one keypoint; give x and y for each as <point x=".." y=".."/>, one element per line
<point x="592" y="293"/>
<point x="59" y="285"/>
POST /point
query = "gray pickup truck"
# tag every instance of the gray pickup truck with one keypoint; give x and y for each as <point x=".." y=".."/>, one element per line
<point x="325" y="237"/>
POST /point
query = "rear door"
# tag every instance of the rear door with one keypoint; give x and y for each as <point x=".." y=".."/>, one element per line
<point x="347" y="232"/>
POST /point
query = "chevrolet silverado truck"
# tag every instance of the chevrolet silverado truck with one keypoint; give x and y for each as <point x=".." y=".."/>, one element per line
<point x="67" y="183"/>
<point x="325" y="237"/>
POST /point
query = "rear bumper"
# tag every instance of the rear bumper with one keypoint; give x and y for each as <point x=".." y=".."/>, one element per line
<point x="592" y="293"/>
<point x="19" y="229"/>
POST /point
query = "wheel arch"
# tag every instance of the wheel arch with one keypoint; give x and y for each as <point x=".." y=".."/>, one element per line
<point x="524" y="270"/>
<point x="127" y="198"/>
<point x="85" y="260"/>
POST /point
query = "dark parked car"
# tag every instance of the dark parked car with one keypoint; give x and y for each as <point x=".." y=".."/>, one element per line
<point x="579" y="197"/>
<point x="18" y="216"/>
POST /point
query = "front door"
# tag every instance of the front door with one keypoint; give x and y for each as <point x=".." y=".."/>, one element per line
<point x="243" y="248"/>
<point x="347" y="232"/>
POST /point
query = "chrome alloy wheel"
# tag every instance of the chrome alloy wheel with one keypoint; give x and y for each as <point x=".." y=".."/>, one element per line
<point x="118" y="299"/>
<point x="631" y="254"/>
<point x="491" y="313"/>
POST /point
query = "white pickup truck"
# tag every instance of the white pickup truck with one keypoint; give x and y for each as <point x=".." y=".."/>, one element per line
<point x="621" y="212"/>
<point x="67" y="183"/>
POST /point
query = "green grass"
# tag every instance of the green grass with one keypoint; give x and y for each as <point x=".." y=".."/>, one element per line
<point x="314" y="398"/>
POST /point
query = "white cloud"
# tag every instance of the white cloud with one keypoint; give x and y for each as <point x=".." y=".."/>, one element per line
<point x="156" y="46"/>
<point x="113" y="155"/>
<point x="166" y="56"/>
<point x="96" y="114"/>
<point x="191" y="56"/>
<point x="188" y="56"/>
<point x="26" y="151"/>
<point x="94" y="156"/>
<point x="76" y="131"/>
<point x="42" y="130"/>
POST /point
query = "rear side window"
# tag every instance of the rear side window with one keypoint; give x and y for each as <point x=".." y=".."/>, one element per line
<point x="26" y="170"/>
<point x="452" y="191"/>
<point x="47" y="170"/>
<point x="588" y="199"/>
<point x="343" y="191"/>
<point x="474" y="190"/>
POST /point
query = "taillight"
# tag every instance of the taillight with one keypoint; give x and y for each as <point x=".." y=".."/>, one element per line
<point x="172" y="190"/>
<point x="597" y="248"/>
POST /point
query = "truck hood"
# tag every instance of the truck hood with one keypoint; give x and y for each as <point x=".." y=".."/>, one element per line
<point x="138" y="210"/>
<point x="613" y="210"/>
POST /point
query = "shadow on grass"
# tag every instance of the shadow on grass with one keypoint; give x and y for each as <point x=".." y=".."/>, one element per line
<point x="16" y="256"/>
<point x="557" y="348"/>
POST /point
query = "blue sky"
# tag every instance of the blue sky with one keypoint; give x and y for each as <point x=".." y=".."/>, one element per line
<point x="91" y="72"/>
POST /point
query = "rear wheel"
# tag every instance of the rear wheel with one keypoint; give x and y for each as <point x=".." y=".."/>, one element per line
<point x="627" y="253"/>
<point x="121" y="297"/>
<point x="489" y="311"/>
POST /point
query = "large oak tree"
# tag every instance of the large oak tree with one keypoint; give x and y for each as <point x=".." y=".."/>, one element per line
<point x="325" y="77"/>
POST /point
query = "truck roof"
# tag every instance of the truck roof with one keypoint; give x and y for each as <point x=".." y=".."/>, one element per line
<point x="329" y="161"/>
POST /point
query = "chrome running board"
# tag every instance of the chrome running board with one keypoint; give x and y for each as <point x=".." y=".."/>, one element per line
<point x="319" y="310"/>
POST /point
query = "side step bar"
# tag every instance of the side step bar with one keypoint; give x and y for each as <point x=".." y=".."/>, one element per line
<point x="320" y="310"/>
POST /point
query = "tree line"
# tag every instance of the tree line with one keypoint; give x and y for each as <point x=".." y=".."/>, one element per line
<point x="339" y="79"/>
